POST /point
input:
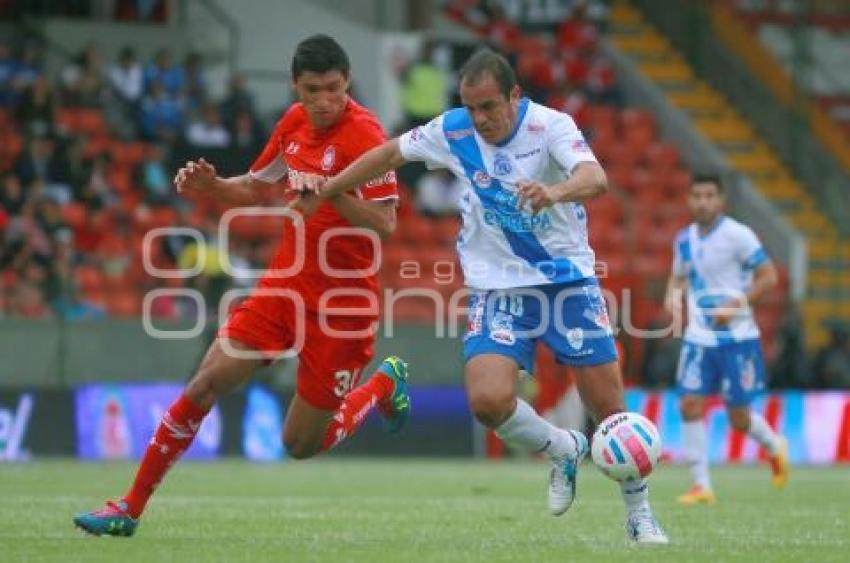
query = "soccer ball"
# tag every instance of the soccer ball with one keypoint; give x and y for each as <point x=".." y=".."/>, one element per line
<point x="626" y="446"/>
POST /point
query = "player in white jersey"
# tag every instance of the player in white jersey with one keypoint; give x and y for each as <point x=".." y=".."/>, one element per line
<point x="524" y="251"/>
<point x="723" y="267"/>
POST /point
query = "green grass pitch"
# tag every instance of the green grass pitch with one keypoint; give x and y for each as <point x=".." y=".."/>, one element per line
<point x="411" y="510"/>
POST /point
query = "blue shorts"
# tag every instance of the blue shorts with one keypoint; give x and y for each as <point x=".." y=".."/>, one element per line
<point x="570" y="318"/>
<point x="736" y="370"/>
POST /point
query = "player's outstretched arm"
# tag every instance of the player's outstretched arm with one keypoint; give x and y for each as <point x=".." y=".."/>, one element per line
<point x="201" y="177"/>
<point x="372" y="163"/>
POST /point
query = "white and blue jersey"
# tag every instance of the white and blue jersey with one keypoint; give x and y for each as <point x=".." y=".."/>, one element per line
<point x="534" y="273"/>
<point x="719" y="266"/>
<point x="501" y="246"/>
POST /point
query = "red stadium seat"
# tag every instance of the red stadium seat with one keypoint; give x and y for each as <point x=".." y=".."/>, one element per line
<point x="662" y="156"/>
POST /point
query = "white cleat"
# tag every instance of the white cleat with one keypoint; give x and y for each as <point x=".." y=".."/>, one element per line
<point x="643" y="528"/>
<point x="562" y="478"/>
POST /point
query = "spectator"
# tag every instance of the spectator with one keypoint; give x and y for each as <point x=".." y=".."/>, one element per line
<point x="832" y="363"/>
<point x="12" y="198"/>
<point x="246" y="143"/>
<point x="27" y="69"/>
<point x="576" y="33"/>
<point x="163" y="71"/>
<point x="425" y="91"/>
<point x="95" y="191"/>
<point x="238" y="99"/>
<point x="438" y="193"/>
<point x="37" y="108"/>
<point x="161" y="114"/>
<point x="208" y="131"/>
<point x="195" y="78"/>
<point x="569" y="99"/>
<point x="126" y="77"/>
<point x="153" y="176"/>
<point x="83" y="78"/>
<point x="7" y="75"/>
<point x="601" y="80"/>
<point x="42" y="162"/>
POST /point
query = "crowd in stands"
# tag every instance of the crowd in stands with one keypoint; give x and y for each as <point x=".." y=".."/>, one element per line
<point x="86" y="161"/>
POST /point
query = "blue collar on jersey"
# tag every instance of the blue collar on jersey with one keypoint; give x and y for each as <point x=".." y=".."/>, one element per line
<point x="712" y="228"/>
<point x="520" y="115"/>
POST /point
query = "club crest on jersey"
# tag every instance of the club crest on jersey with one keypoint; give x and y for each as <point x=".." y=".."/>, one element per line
<point x="575" y="338"/>
<point x="482" y="179"/>
<point x="502" y="164"/>
<point x="292" y="147"/>
<point x="329" y="158"/>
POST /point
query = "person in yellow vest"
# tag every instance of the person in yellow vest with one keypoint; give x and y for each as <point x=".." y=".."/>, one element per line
<point x="425" y="89"/>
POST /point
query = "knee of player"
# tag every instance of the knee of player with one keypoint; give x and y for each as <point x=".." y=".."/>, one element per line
<point x="491" y="409"/>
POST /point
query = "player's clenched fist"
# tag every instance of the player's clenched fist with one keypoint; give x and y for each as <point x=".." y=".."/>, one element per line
<point x="537" y="195"/>
<point x="195" y="176"/>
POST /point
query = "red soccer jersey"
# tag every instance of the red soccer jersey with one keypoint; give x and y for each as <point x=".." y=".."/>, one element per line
<point x="296" y="147"/>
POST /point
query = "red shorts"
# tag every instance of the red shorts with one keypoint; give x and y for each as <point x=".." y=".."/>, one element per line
<point x="329" y="364"/>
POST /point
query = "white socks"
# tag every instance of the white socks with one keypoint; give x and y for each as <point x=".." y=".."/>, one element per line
<point x="696" y="452"/>
<point x="635" y="495"/>
<point x="525" y="429"/>
<point x="761" y="432"/>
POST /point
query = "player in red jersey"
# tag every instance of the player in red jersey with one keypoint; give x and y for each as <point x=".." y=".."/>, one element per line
<point x="319" y="267"/>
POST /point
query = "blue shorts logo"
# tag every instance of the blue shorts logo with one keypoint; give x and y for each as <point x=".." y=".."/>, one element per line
<point x="575" y="338"/>
<point x="502" y="329"/>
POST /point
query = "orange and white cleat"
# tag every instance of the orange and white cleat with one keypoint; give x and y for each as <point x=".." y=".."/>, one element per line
<point x="697" y="495"/>
<point x="779" y="465"/>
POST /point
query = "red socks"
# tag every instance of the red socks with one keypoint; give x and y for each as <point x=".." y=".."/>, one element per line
<point x="354" y="408"/>
<point x="183" y="418"/>
<point x="173" y="436"/>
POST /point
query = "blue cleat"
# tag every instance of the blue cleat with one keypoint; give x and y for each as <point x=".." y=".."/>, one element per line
<point x="396" y="409"/>
<point x="111" y="520"/>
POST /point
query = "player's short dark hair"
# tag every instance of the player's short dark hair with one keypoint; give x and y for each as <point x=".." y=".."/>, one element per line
<point x="709" y="178"/>
<point x="487" y="61"/>
<point x="319" y="53"/>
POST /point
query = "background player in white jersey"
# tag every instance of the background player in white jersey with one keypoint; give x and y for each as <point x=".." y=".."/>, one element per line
<point x="524" y="251"/>
<point x="723" y="267"/>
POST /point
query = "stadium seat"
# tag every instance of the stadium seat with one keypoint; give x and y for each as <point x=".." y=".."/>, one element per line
<point x="129" y="154"/>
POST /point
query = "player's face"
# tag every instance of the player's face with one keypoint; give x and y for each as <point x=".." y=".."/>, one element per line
<point x="706" y="202"/>
<point x="324" y="95"/>
<point x="493" y="114"/>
